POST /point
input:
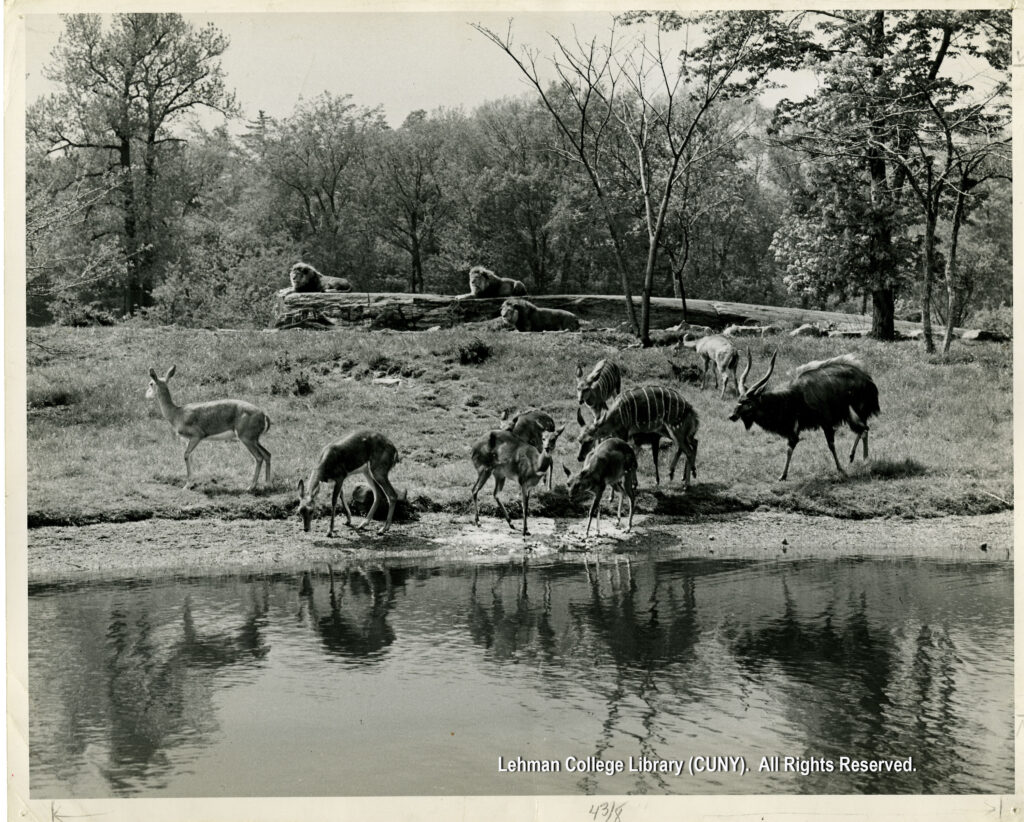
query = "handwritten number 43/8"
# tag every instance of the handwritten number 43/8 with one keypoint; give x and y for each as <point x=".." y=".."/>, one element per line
<point x="607" y="811"/>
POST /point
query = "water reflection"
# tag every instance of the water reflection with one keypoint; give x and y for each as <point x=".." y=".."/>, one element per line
<point x="153" y="689"/>
<point x="355" y="629"/>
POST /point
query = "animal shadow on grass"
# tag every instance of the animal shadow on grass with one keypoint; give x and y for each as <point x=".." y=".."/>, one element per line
<point x="891" y="469"/>
<point x="700" y="498"/>
<point x="222" y="486"/>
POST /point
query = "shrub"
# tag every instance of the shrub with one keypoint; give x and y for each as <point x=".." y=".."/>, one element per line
<point x="67" y="310"/>
<point x="290" y="379"/>
<point x="474" y="352"/>
<point x="999" y="320"/>
<point x="51" y="396"/>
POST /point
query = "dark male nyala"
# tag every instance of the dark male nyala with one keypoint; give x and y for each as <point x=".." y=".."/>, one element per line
<point x="824" y="394"/>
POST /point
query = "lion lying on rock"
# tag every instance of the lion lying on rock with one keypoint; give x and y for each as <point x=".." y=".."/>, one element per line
<point x="523" y="315"/>
<point x="485" y="283"/>
<point x="306" y="279"/>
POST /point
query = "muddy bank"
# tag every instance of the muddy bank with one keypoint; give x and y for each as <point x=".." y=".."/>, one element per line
<point x="157" y="547"/>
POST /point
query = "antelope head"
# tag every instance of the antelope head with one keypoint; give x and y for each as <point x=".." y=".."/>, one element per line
<point x="155" y="381"/>
<point x="750" y="398"/>
<point x="550" y="439"/>
<point x="307" y="504"/>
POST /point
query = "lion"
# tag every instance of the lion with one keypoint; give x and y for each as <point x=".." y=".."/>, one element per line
<point x="485" y="283"/>
<point x="306" y="279"/>
<point x="523" y="315"/>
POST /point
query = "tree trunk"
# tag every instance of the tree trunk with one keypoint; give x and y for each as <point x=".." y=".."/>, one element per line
<point x="627" y="289"/>
<point x="645" y="300"/>
<point x="928" y="253"/>
<point x="958" y="216"/>
<point x="883" y="314"/>
<point x="416" y="263"/>
<point x="131" y="285"/>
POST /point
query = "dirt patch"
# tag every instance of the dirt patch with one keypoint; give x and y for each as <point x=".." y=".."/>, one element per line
<point x="156" y="547"/>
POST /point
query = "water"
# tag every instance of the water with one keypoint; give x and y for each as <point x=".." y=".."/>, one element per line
<point x="415" y="680"/>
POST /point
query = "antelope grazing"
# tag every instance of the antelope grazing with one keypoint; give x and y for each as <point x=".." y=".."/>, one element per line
<point x="824" y="394"/>
<point x="507" y="456"/>
<point x="597" y="389"/>
<point x="649" y="410"/>
<point x="530" y="426"/>
<point x="718" y="350"/>
<point x="613" y="463"/>
<point x="214" y="420"/>
<point x="362" y="450"/>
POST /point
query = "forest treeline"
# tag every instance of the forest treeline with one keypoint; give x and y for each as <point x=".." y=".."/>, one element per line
<point x="635" y="168"/>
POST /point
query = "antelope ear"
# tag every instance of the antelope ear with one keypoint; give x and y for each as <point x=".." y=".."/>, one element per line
<point x="170" y="372"/>
<point x="579" y="370"/>
<point x="302" y="488"/>
<point x="558" y="433"/>
<point x="565" y="468"/>
<point x="152" y="374"/>
<point x="579" y="416"/>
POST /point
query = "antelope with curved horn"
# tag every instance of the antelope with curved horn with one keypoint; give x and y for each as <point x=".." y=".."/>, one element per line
<point x="824" y="394"/>
<point x="214" y="420"/>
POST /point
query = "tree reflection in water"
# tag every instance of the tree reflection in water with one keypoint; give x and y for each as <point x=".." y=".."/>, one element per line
<point x="618" y="658"/>
<point x="160" y="691"/>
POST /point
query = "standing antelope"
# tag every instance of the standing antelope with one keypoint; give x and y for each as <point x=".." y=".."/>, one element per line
<point x="649" y="410"/>
<point x="506" y="456"/>
<point x="597" y="389"/>
<point x="716" y="349"/>
<point x="362" y="450"/>
<point x="824" y="394"/>
<point x="214" y="420"/>
<point x="530" y="426"/>
<point x="612" y="462"/>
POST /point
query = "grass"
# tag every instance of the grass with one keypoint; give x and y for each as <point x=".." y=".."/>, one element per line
<point x="99" y="451"/>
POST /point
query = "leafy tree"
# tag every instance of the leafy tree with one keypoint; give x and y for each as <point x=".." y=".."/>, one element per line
<point x="227" y="261"/>
<point x="315" y="161"/>
<point x="832" y="240"/>
<point x="526" y="211"/>
<point x="124" y="88"/>
<point x="891" y="113"/>
<point x="407" y="197"/>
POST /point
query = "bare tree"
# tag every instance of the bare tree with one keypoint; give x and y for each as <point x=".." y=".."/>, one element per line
<point x="630" y="112"/>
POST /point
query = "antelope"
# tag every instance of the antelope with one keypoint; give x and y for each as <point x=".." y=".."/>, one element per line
<point x="649" y="410"/>
<point x="597" y="389"/>
<point x="362" y="450"/>
<point x="719" y="350"/>
<point x="824" y="394"/>
<point x="530" y="426"/>
<point x="507" y="456"/>
<point x="214" y="420"/>
<point x="612" y="462"/>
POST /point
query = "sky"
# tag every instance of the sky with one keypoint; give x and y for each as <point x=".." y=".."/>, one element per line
<point x="402" y="61"/>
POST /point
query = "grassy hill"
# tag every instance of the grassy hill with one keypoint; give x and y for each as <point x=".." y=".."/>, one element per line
<point x="99" y="451"/>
